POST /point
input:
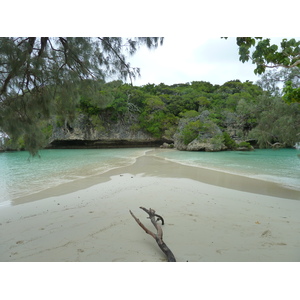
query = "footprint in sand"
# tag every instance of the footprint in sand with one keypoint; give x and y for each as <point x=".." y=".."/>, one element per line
<point x="266" y="233"/>
<point x="220" y="251"/>
<point x="20" y="242"/>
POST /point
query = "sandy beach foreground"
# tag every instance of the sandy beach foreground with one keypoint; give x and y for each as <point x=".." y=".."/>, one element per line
<point x="209" y="217"/>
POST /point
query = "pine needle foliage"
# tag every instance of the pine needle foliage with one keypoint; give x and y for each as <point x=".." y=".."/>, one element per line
<point x="39" y="76"/>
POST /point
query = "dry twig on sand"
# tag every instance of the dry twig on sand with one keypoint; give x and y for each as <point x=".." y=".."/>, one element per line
<point x="158" y="236"/>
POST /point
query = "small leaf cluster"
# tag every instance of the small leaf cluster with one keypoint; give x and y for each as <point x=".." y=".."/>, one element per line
<point x="266" y="55"/>
<point x="291" y="94"/>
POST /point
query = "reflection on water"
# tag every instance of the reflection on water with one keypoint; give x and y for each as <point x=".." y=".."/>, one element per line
<point x="21" y="175"/>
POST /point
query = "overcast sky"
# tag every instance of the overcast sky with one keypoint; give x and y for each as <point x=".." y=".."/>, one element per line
<point x="192" y="49"/>
<point x="212" y="59"/>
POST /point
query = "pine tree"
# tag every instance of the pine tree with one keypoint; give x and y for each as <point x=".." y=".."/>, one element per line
<point x="39" y="76"/>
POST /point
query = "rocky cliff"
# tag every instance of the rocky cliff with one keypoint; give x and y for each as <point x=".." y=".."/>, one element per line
<point x="83" y="132"/>
<point x="208" y="136"/>
<point x="86" y="132"/>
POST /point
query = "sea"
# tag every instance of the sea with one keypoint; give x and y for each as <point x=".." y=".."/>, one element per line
<point x="281" y="166"/>
<point x="22" y="175"/>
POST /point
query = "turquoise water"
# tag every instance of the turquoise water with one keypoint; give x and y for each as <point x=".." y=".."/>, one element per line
<point x="281" y="166"/>
<point x="21" y="175"/>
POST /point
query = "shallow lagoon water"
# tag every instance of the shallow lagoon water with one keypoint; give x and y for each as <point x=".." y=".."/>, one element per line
<point x="21" y="175"/>
<point x="281" y="165"/>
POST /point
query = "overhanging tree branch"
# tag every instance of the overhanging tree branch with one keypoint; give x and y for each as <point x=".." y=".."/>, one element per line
<point x="119" y="57"/>
<point x="19" y="64"/>
<point x="39" y="68"/>
<point x="296" y="63"/>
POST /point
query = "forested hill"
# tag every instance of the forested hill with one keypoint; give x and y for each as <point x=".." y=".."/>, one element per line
<point x="225" y="114"/>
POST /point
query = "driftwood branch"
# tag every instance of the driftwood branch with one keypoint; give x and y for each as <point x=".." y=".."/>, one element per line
<point x="159" y="235"/>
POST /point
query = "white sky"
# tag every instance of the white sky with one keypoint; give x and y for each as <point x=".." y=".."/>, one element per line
<point x="212" y="59"/>
<point x="192" y="49"/>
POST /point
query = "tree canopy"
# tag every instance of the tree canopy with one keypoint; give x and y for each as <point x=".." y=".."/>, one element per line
<point x="49" y="82"/>
<point x="268" y="56"/>
<point x="38" y="76"/>
<point x="241" y="110"/>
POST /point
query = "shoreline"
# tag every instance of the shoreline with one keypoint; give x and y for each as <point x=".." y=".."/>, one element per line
<point x="155" y="167"/>
<point x="89" y="220"/>
<point x="264" y="178"/>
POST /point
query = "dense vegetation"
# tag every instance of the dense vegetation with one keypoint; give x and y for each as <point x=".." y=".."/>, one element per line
<point x="40" y="77"/>
<point x="243" y="111"/>
<point x="48" y="82"/>
<point x="266" y="56"/>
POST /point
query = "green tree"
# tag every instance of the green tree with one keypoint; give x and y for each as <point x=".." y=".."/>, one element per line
<point x="291" y="94"/>
<point x="36" y="71"/>
<point x="156" y="119"/>
<point x="277" y="122"/>
<point x="191" y="131"/>
<point x="203" y="86"/>
<point x="266" y="55"/>
<point x="272" y="80"/>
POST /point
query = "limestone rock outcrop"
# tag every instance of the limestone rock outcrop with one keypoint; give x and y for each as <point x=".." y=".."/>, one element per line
<point x="209" y="138"/>
<point x="84" y="133"/>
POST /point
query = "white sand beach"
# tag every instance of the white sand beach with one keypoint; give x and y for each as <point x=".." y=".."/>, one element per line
<point x="209" y="216"/>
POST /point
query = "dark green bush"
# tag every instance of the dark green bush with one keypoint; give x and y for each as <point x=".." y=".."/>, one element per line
<point x="245" y="144"/>
<point x="191" y="131"/>
<point x="229" y="142"/>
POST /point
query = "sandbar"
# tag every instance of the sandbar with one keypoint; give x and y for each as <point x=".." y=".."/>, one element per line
<point x="209" y="216"/>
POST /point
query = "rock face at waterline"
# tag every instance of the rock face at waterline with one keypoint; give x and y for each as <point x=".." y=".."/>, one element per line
<point x="208" y="145"/>
<point x="83" y="133"/>
<point x="209" y="138"/>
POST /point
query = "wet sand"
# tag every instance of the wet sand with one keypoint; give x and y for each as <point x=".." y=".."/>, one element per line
<point x="209" y="216"/>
